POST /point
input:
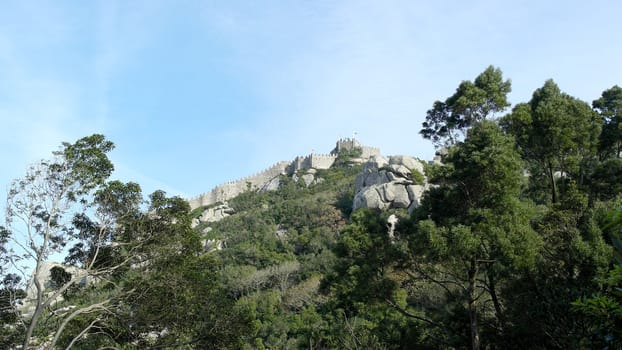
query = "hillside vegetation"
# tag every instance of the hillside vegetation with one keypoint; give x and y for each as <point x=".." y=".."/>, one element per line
<point x="515" y="245"/>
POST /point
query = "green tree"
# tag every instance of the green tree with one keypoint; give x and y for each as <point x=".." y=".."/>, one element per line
<point x="557" y="134"/>
<point x="471" y="103"/>
<point x="605" y="181"/>
<point x="10" y="293"/>
<point x="609" y="106"/>
<point x="572" y="262"/>
<point x="368" y="305"/>
<point x="40" y="205"/>
<point x="604" y="309"/>
<point x="172" y="290"/>
<point x="478" y="232"/>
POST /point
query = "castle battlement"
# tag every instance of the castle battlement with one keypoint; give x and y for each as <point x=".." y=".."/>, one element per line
<point x="230" y="189"/>
<point x="260" y="180"/>
<point x="348" y="144"/>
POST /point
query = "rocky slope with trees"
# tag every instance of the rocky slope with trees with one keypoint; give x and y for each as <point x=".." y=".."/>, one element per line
<point x="511" y="241"/>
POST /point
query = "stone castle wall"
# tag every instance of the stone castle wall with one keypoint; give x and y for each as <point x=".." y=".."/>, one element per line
<point x="228" y="190"/>
<point x="269" y="177"/>
<point x="316" y="161"/>
<point x="322" y="161"/>
<point x="369" y="152"/>
<point x="349" y="144"/>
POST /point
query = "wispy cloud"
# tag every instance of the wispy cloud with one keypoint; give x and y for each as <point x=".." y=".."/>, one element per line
<point x="328" y="70"/>
<point x="201" y="92"/>
<point x="37" y="109"/>
<point x="57" y="67"/>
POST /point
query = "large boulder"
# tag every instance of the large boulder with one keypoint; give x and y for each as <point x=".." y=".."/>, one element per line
<point x="415" y="193"/>
<point x="371" y="174"/>
<point x="400" y="170"/>
<point x="408" y="162"/>
<point x="369" y="198"/>
<point x="388" y="183"/>
<point x="399" y="195"/>
<point x="214" y="214"/>
<point x="271" y="185"/>
<point x="308" y="179"/>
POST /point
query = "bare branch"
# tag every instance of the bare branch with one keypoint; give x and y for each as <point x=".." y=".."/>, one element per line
<point x="89" y="309"/>
<point x="82" y="333"/>
<point x="410" y="314"/>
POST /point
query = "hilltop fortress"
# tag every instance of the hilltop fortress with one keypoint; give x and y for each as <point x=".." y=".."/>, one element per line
<point x="269" y="178"/>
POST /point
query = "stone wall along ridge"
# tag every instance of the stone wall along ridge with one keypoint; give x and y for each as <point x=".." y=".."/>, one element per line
<point x="369" y="152"/>
<point x="316" y="161"/>
<point x="349" y="144"/>
<point x="230" y="189"/>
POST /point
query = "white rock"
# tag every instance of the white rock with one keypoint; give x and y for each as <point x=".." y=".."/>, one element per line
<point x="401" y="199"/>
<point x="195" y="223"/>
<point x="308" y="179"/>
<point x="409" y="162"/>
<point x="391" y="222"/>
<point x="379" y="161"/>
<point x="392" y="177"/>
<point x="369" y="198"/>
<point x="271" y="185"/>
<point x="415" y="192"/>
<point x="400" y="170"/>
<point x="216" y="214"/>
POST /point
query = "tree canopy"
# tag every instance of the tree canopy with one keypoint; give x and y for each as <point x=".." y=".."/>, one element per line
<point x="514" y="244"/>
<point x="472" y="102"/>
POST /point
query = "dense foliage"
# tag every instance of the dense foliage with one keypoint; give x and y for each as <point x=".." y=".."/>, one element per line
<point x="517" y="244"/>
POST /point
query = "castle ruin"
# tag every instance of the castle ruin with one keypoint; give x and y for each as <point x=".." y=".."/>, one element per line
<point x="269" y="178"/>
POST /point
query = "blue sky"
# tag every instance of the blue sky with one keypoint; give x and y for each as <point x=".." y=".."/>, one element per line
<point x="196" y="93"/>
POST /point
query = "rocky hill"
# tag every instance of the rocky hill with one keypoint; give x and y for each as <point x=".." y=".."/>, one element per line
<point x="302" y="166"/>
<point x="384" y="182"/>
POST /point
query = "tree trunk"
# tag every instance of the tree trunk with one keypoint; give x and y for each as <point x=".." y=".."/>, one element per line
<point x="38" y="308"/>
<point x="553" y="186"/>
<point x="475" y="341"/>
<point x="495" y="299"/>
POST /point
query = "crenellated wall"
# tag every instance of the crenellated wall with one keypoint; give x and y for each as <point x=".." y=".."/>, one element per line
<point x="369" y="152"/>
<point x="316" y="161"/>
<point x="228" y="190"/>
<point x="349" y="144"/>
<point x="266" y="178"/>
<point x="346" y="144"/>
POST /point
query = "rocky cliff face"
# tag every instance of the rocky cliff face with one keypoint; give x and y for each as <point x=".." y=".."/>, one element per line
<point x="388" y="183"/>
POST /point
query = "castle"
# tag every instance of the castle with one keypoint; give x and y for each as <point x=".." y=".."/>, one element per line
<point x="269" y="178"/>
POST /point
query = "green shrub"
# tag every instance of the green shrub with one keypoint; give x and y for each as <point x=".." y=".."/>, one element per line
<point x="417" y="176"/>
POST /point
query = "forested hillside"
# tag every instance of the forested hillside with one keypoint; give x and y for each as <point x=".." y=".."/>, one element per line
<point x="516" y="244"/>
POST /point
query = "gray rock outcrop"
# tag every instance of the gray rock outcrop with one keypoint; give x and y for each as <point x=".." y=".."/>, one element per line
<point x="271" y="185"/>
<point x="213" y="214"/>
<point x="308" y="179"/>
<point x="216" y="214"/>
<point x="387" y="183"/>
<point x="44" y="276"/>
